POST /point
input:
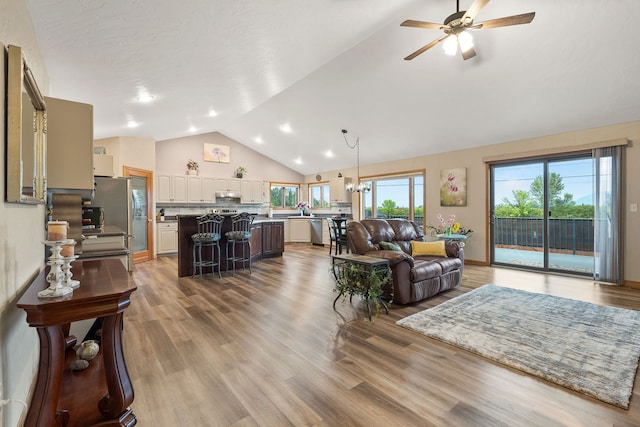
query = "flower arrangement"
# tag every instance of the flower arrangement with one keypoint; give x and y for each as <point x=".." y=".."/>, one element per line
<point x="192" y="165"/>
<point x="302" y="205"/>
<point x="240" y="171"/>
<point x="448" y="226"/>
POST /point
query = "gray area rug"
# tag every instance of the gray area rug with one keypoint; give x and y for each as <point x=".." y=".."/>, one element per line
<point x="584" y="347"/>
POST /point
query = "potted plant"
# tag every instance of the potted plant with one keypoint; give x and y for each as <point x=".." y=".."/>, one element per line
<point x="240" y="171"/>
<point x="192" y="167"/>
<point x="355" y="279"/>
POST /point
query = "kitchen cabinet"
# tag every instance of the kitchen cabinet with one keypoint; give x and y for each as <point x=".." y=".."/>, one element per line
<point x="69" y="144"/>
<point x="103" y="165"/>
<point x="171" y="189"/>
<point x="339" y="193"/>
<point x="167" y="233"/>
<point x="326" y="233"/>
<point x="251" y="191"/>
<point x="201" y="189"/>
<point x="300" y="230"/>
<point x="272" y="238"/>
<point x="228" y="184"/>
<point x="256" y="240"/>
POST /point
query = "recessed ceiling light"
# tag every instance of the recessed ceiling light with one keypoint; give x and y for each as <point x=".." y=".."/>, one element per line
<point x="213" y="113"/>
<point x="286" y="128"/>
<point x="329" y="154"/>
<point x="132" y="124"/>
<point x="258" y="139"/>
<point x="145" y="98"/>
<point x="192" y="129"/>
<point x="298" y="161"/>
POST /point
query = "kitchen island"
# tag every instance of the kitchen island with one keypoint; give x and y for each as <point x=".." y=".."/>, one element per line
<point x="267" y="239"/>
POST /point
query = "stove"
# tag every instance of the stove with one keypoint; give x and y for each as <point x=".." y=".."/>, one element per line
<point x="225" y="211"/>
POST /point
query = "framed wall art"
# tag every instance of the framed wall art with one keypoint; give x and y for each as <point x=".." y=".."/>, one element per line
<point x="216" y="153"/>
<point x="453" y="187"/>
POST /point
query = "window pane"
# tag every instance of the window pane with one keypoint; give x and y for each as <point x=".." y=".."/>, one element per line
<point x="291" y="197"/>
<point x="393" y="198"/>
<point x="315" y="192"/>
<point x="276" y="196"/>
<point x="326" y="196"/>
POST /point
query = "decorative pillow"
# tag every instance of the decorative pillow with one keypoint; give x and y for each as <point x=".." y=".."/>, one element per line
<point x="429" y="248"/>
<point x="390" y="246"/>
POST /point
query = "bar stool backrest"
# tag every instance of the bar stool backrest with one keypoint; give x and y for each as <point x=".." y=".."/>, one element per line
<point x="209" y="226"/>
<point x="240" y="226"/>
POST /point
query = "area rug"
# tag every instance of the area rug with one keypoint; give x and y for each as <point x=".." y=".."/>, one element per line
<point x="587" y="348"/>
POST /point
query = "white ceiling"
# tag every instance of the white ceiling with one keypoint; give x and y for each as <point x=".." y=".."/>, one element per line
<point x="325" y="65"/>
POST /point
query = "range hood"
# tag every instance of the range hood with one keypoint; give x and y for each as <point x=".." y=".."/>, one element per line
<point x="228" y="197"/>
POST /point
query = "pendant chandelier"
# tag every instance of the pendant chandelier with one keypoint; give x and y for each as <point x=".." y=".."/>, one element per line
<point x="359" y="187"/>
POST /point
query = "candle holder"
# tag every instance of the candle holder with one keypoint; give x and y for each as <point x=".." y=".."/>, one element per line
<point x="66" y="269"/>
<point x="56" y="276"/>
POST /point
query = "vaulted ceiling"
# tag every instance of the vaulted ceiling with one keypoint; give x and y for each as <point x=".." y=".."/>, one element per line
<point x="325" y="65"/>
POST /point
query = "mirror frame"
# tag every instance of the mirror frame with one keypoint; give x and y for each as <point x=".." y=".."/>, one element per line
<point x="19" y="79"/>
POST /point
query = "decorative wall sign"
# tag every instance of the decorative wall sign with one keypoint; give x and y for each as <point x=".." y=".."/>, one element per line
<point x="216" y="153"/>
<point x="453" y="187"/>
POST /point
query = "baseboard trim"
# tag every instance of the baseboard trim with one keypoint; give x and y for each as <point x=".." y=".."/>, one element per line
<point x="631" y="284"/>
<point x="474" y="262"/>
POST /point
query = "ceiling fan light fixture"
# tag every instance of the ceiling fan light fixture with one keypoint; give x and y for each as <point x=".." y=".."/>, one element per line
<point x="450" y="45"/>
<point x="465" y="40"/>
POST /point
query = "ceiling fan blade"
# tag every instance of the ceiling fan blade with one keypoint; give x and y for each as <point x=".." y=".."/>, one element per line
<point x="422" y="24"/>
<point x="525" y="18"/>
<point x="425" y="48"/>
<point x="468" y="54"/>
<point x="473" y="10"/>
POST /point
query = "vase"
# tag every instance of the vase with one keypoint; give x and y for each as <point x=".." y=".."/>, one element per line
<point x="192" y="172"/>
<point x="448" y="231"/>
<point x="301" y="212"/>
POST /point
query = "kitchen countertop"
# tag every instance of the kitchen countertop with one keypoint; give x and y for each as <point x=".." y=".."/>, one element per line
<point x="109" y="230"/>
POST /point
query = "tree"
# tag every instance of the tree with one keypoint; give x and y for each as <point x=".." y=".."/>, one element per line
<point x="388" y="208"/>
<point x="523" y="206"/>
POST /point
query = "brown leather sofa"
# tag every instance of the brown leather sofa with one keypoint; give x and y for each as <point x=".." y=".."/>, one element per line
<point x="414" y="278"/>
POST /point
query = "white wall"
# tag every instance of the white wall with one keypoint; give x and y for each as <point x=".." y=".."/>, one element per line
<point x="172" y="156"/>
<point x="474" y="215"/>
<point x="21" y="232"/>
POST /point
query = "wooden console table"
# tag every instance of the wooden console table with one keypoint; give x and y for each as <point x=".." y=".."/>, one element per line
<point x="101" y="394"/>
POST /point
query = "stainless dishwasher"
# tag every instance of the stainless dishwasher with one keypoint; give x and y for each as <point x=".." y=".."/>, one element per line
<point x="316" y="231"/>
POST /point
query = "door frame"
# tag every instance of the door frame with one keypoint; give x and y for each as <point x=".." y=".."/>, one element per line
<point x="128" y="171"/>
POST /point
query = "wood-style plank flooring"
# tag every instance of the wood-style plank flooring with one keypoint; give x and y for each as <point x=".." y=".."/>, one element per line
<point x="267" y="349"/>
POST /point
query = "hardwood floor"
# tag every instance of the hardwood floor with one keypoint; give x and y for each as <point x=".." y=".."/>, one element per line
<point x="267" y="349"/>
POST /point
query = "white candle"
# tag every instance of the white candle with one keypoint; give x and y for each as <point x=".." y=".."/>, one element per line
<point x="57" y="230"/>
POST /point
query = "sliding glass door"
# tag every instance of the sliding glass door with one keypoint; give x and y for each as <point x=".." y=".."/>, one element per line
<point x="542" y="214"/>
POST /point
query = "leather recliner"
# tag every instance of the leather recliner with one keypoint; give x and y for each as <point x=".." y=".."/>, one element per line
<point x="414" y="277"/>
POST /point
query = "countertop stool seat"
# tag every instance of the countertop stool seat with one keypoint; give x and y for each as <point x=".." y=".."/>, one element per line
<point x="208" y="236"/>
<point x="239" y="235"/>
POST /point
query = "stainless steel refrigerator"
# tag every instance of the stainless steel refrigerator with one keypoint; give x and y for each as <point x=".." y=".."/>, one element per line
<point x="114" y="196"/>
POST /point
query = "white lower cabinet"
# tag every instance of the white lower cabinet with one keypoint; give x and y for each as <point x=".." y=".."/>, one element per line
<point x="167" y="233"/>
<point x="299" y="230"/>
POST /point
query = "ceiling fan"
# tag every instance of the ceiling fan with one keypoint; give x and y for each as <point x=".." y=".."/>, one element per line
<point x="456" y="26"/>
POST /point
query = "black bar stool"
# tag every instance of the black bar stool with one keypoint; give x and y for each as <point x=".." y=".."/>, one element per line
<point x="240" y="234"/>
<point x="338" y="231"/>
<point x="208" y="235"/>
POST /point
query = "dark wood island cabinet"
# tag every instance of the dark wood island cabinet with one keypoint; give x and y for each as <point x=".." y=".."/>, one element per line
<point x="101" y="394"/>
<point x="267" y="239"/>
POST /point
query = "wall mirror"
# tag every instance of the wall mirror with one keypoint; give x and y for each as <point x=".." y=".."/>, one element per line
<point x="26" y="180"/>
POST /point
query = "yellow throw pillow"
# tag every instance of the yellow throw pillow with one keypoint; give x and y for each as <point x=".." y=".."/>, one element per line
<point x="429" y="248"/>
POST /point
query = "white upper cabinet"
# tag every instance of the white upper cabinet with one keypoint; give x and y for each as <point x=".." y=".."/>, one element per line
<point x="339" y="194"/>
<point x="200" y="189"/>
<point x="251" y="191"/>
<point x="171" y="189"/>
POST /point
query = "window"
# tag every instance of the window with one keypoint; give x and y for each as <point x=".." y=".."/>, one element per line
<point x="284" y="195"/>
<point x="400" y="196"/>
<point x="319" y="195"/>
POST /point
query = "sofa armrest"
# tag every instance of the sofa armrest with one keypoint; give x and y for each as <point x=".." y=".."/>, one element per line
<point x="394" y="257"/>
